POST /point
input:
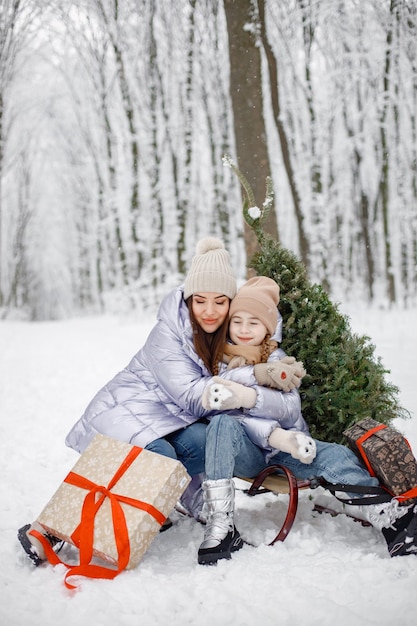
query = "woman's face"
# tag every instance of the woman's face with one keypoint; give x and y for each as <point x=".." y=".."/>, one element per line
<point x="210" y="310"/>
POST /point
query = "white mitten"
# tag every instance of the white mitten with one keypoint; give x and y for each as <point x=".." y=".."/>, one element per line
<point x="223" y="395"/>
<point x="299" y="445"/>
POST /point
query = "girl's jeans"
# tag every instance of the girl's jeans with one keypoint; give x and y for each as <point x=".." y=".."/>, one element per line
<point x="230" y="452"/>
<point x="187" y="445"/>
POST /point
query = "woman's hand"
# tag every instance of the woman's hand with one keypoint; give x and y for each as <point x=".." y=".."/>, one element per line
<point x="223" y="395"/>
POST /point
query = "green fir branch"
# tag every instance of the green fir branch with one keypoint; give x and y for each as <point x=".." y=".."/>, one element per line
<point x="345" y="382"/>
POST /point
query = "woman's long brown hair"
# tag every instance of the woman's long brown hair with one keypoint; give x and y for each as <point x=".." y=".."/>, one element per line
<point x="209" y="346"/>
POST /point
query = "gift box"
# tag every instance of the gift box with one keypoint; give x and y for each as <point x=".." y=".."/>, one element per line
<point x="387" y="455"/>
<point x="113" y="502"/>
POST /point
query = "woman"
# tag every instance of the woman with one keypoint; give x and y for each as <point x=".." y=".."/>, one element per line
<point x="231" y="451"/>
<point x="155" y="402"/>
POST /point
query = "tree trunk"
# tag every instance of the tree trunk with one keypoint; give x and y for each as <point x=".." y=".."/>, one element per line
<point x="276" y="109"/>
<point x="247" y="104"/>
<point x="385" y="164"/>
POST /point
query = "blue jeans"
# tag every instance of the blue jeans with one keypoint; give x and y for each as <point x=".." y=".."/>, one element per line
<point x="230" y="452"/>
<point x="187" y="445"/>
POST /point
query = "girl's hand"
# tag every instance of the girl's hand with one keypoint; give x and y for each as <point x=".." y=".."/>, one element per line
<point x="299" y="445"/>
<point x="285" y="374"/>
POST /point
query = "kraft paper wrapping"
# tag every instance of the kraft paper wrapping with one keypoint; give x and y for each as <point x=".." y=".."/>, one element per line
<point x="151" y="478"/>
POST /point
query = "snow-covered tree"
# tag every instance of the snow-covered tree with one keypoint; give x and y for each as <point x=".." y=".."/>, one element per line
<point x="114" y="117"/>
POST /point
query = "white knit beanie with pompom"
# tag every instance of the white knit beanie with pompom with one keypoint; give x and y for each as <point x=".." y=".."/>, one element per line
<point x="210" y="270"/>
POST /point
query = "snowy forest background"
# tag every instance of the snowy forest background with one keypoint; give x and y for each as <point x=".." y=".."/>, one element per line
<point x="115" y="116"/>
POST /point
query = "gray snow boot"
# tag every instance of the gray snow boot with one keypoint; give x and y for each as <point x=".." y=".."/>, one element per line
<point x="220" y="537"/>
<point x="382" y="515"/>
<point x="191" y="502"/>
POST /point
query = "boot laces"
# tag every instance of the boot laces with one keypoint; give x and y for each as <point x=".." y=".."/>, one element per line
<point x="386" y="514"/>
<point x="218" y="526"/>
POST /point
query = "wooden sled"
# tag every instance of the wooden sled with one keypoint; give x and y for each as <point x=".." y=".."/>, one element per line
<point x="285" y="482"/>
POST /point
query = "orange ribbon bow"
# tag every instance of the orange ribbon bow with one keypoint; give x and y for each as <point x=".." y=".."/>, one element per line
<point x="83" y="535"/>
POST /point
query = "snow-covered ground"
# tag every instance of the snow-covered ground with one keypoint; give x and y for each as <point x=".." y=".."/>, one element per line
<point x="328" y="571"/>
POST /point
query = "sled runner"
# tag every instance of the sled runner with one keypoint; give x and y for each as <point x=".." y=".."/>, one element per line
<point x="269" y="480"/>
<point x="287" y="483"/>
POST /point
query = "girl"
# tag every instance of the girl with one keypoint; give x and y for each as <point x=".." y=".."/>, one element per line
<point x="253" y="320"/>
<point x="282" y="438"/>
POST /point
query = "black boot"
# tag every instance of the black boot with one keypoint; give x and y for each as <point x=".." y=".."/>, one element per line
<point x="32" y="547"/>
<point x="220" y="537"/>
<point x="401" y="538"/>
<point x="223" y="550"/>
<point x="166" y="525"/>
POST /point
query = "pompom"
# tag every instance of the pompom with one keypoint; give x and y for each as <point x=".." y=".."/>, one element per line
<point x="209" y="243"/>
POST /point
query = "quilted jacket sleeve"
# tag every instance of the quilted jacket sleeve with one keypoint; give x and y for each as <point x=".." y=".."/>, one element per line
<point x="171" y="368"/>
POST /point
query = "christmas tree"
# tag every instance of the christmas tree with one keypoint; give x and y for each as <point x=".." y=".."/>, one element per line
<point x="345" y="382"/>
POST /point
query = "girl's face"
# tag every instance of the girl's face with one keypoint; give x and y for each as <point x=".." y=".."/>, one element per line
<point x="246" y="330"/>
<point x="210" y="310"/>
